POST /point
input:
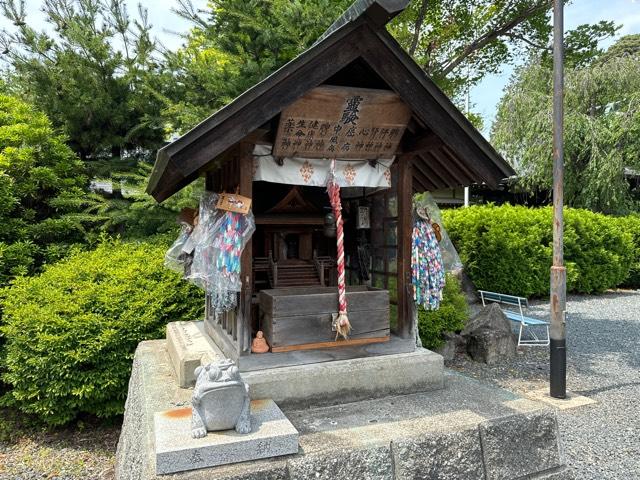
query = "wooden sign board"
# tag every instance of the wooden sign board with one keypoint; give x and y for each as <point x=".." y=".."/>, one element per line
<point x="232" y="202"/>
<point x="342" y="122"/>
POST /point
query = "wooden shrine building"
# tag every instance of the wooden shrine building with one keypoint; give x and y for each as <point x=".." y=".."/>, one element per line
<point x="355" y="96"/>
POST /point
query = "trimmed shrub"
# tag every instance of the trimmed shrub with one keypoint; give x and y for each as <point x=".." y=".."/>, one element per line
<point x="450" y="317"/>
<point x="71" y="332"/>
<point x="601" y="250"/>
<point x="508" y="249"/>
<point x="631" y="225"/>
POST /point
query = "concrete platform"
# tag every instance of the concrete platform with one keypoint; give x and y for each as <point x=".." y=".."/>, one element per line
<point x="468" y="430"/>
<point x="271" y="435"/>
<point x="314" y="377"/>
<point x="571" y="401"/>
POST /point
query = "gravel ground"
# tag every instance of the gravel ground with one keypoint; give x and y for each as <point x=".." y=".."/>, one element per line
<point x="82" y="451"/>
<point x="601" y="441"/>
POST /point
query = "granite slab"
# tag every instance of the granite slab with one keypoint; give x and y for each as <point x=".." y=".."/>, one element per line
<point x="272" y="435"/>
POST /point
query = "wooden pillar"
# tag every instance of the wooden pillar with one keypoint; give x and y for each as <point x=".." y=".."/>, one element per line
<point x="405" y="206"/>
<point x="245" y="166"/>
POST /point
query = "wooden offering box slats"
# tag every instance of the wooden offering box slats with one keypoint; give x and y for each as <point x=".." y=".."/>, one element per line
<point x="300" y="318"/>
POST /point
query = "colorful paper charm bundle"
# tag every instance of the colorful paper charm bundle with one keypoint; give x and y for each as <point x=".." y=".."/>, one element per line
<point x="217" y="242"/>
<point x="427" y="267"/>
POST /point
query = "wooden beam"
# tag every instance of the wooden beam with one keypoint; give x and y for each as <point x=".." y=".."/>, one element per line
<point x="438" y="166"/>
<point x="430" y="172"/>
<point x="221" y="338"/>
<point x="405" y="206"/>
<point x="421" y="143"/>
<point x="338" y="343"/>
<point x="454" y="159"/>
<point x="245" y="164"/>
<point x="194" y="150"/>
<point x="424" y="180"/>
<point x="445" y="164"/>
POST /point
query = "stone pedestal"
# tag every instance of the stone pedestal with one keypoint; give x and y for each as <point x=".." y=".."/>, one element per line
<point x="468" y="430"/>
<point x="188" y="348"/>
<point x="272" y="435"/>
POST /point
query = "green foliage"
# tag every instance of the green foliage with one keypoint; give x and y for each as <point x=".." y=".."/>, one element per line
<point x="41" y="187"/>
<point x="234" y="44"/>
<point x="459" y="42"/>
<point x="629" y="45"/>
<point x="132" y="213"/>
<point x="508" y="249"/>
<point x="71" y="332"/>
<point x="631" y="225"/>
<point x="450" y="317"/>
<point x="92" y="76"/>
<point x="602" y="131"/>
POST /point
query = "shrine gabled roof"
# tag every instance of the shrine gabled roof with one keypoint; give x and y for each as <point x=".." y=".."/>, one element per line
<point x="448" y="150"/>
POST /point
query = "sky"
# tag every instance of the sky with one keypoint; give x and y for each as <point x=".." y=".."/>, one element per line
<point x="484" y="97"/>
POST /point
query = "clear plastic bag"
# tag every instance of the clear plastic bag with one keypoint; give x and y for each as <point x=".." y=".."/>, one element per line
<point x="450" y="257"/>
<point x="219" y="239"/>
<point x="176" y="258"/>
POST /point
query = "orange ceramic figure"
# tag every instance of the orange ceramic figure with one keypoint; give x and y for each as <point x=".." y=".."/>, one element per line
<point x="259" y="344"/>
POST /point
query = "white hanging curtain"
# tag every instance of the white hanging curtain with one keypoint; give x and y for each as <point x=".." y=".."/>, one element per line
<point x="314" y="171"/>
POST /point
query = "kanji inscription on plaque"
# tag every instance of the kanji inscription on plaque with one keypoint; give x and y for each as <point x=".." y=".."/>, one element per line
<point x="342" y="122"/>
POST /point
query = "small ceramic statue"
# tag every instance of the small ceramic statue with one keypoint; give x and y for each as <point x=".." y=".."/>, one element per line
<point x="220" y="400"/>
<point x="259" y="344"/>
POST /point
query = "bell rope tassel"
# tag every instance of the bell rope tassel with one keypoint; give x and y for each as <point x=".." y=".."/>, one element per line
<point x="341" y="322"/>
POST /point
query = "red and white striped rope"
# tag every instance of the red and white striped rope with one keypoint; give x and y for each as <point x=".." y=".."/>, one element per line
<point x="342" y="323"/>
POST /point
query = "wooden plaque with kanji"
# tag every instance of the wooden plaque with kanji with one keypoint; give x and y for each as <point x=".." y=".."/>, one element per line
<point x="342" y="122"/>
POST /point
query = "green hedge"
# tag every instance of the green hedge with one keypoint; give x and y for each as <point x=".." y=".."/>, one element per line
<point x="631" y="224"/>
<point x="508" y="248"/>
<point x="450" y="317"/>
<point x="71" y="332"/>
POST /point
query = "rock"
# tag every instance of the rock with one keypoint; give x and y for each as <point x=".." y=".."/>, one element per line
<point x="489" y="336"/>
<point x="490" y="317"/>
<point x="454" y="344"/>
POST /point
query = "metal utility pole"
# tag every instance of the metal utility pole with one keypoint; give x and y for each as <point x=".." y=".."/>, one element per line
<point x="558" y="348"/>
<point x="466" y="189"/>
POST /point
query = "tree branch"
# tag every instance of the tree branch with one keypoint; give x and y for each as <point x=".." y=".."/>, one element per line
<point x="494" y="34"/>
<point x="529" y="42"/>
<point x="418" y="26"/>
